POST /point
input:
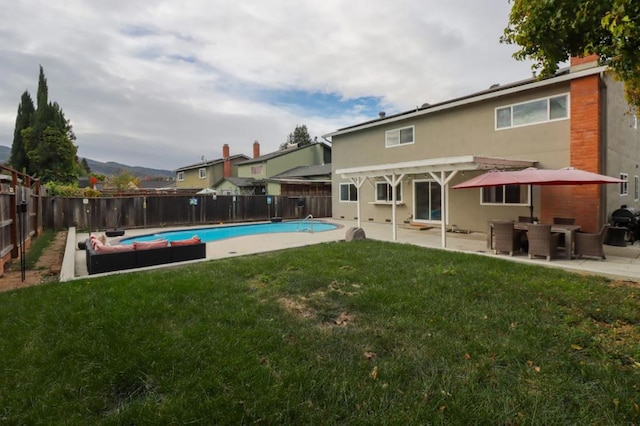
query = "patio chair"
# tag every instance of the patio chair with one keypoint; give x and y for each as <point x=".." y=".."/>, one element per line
<point x="527" y="219"/>
<point x="506" y="239"/>
<point x="591" y="244"/>
<point x="542" y="242"/>
<point x="563" y="221"/>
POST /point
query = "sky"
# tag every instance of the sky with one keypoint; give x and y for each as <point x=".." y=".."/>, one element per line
<point x="165" y="84"/>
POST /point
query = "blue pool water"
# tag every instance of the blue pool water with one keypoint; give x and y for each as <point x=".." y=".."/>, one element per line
<point x="222" y="232"/>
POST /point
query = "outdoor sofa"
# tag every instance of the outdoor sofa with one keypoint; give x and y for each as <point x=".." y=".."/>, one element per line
<point x="102" y="257"/>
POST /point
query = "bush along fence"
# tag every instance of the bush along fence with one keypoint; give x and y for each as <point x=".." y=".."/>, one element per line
<point x="103" y="214"/>
<point x="20" y="213"/>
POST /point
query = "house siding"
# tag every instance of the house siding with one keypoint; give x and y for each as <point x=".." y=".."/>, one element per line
<point x="466" y="130"/>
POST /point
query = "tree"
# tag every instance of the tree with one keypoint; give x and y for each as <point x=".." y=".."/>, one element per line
<point x="299" y="137"/>
<point x="43" y="138"/>
<point x="549" y="32"/>
<point x="52" y="156"/>
<point x="26" y="109"/>
<point x="122" y="180"/>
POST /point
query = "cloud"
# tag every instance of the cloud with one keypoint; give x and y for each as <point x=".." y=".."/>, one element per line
<point x="160" y="84"/>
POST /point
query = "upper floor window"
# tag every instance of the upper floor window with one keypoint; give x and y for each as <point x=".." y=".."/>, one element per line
<point x="402" y="136"/>
<point x="533" y="112"/>
<point x="636" y="188"/>
<point x="256" y="170"/>
<point x="348" y="192"/>
<point x="624" y="186"/>
<point x="202" y="172"/>
<point x="180" y="176"/>
<point x="505" y="194"/>
<point x="384" y="194"/>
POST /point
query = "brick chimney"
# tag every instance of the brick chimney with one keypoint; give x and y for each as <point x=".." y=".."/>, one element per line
<point x="227" y="164"/>
<point x="256" y="149"/>
<point x="579" y="63"/>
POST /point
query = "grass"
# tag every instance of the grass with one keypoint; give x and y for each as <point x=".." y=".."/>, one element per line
<point x="341" y="333"/>
<point x="36" y="249"/>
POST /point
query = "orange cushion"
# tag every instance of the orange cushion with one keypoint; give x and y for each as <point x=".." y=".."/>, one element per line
<point x="187" y="242"/>
<point x="144" y="245"/>
<point x="102" y="248"/>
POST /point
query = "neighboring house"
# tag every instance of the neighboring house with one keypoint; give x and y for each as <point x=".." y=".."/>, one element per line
<point x="258" y="173"/>
<point x="207" y="173"/>
<point x="576" y="118"/>
<point x="304" y="180"/>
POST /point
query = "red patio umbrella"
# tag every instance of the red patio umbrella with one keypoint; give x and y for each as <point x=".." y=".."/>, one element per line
<point x="532" y="176"/>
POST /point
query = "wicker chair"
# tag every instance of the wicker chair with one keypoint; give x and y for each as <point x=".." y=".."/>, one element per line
<point x="591" y="244"/>
<point x="506" y="239"/>
<point x="563" y="221"/>
<point x="542" y="242"/>
<point x="527" y="219"/>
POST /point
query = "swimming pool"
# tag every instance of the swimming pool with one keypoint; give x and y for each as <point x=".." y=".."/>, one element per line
<point x="222" y="232"/>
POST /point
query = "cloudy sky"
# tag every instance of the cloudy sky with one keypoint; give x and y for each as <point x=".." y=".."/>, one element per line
<point x="163" y="84"/>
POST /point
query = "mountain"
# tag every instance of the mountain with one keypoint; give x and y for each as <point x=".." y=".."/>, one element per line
<point x="108" y="168"/>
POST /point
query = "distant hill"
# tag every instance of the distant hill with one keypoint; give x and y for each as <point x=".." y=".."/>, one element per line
<point x="108" y="168"/>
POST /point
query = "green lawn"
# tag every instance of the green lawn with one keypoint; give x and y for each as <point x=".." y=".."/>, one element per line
<point x="341" y="333"/>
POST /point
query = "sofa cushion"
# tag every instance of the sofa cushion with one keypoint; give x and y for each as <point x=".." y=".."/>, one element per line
<point x="187" y="242"/>
<point x="102" y="248"/>
<point x="144" y="245"/>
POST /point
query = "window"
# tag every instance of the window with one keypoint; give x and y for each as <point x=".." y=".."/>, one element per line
<point x="256" y="170"/>
<point x="398" y="137"/>
<point x="533" y="112"/>
<point x="505" y="194"/>
<point x="348" y="192"/>
<point x="624" y="186"/>
<point x="636" y="188"/>
<point x="180" y="176"/>
<point x="202" y="173"/>
<point x="384" y="194"/>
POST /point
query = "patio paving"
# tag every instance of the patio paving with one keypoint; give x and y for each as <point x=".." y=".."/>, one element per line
<point x="621" y="263"/>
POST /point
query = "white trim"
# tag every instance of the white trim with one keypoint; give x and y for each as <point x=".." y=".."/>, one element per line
<point x="340" y="193"/>
<point x="202" y="173"/>
<point x="624" y="186"/>
<point x="503" y="204"/>
<point x="180" y="176"/>
<point x="473" y="99"/>
<point x="389" y="192"/>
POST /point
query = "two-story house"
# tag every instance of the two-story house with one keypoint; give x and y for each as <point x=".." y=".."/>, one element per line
<point x="577" y="118"/>
<point x="208" y="173"/>
<point x="265" y="174"/>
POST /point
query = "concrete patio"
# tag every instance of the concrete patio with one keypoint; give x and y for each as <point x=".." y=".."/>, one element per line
<point x="621" y="263"/>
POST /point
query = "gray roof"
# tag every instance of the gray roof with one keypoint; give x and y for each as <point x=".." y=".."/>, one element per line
<point x="241" y="182"/>
<point x="210" y="163"/>
<point x="318" y="170"/>
<point x="281" y="152"/>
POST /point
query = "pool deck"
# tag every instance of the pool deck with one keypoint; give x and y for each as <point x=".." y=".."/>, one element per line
<point x="621" y="263"/>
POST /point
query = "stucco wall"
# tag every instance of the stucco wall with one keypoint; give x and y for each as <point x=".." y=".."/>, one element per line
<point x="622" y="146"/>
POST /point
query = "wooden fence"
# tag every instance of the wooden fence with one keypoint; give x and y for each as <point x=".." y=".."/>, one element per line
<point x="176" y="210"/>
<point x="20" y="212"/>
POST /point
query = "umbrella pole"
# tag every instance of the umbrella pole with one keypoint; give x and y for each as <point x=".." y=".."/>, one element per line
<point x="531" y="202"/>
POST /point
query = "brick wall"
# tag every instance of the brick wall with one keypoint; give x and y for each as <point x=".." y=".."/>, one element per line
<point x="582" y="201"/>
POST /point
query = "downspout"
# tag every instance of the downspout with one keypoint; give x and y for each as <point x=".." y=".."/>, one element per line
<point x="603" y="148"/>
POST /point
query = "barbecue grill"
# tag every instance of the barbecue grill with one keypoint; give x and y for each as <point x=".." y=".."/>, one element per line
<point x="629" y="218"/>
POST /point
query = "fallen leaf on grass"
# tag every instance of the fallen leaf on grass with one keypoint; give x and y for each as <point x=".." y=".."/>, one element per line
<point x="370" y="355"/>
<point x="576" y="347"/>
<point x="467" y="357"/>
<point x="374" y="373"/>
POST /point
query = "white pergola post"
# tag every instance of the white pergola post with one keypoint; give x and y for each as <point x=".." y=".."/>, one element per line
<point x="357" y="182"/>
<point x="444" y="180"/>
<point x="393" y="181"/>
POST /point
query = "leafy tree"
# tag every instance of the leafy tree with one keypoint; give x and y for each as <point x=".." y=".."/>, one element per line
<point x="52" y="157"/>
<point x="122" y="180"/>
<point x="43" y="138"/>
<point x="26" y="110"/>
<point x="549" y="32"/>
<point x="299" y="137"/>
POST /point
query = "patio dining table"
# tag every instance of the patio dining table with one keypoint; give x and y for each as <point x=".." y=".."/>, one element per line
<point x="568" y="231"/>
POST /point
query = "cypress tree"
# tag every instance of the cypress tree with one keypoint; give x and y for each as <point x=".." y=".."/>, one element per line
<point x="24" y="118"/>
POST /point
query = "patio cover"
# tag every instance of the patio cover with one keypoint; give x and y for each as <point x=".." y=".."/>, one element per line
<point x="442" y="170"/>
